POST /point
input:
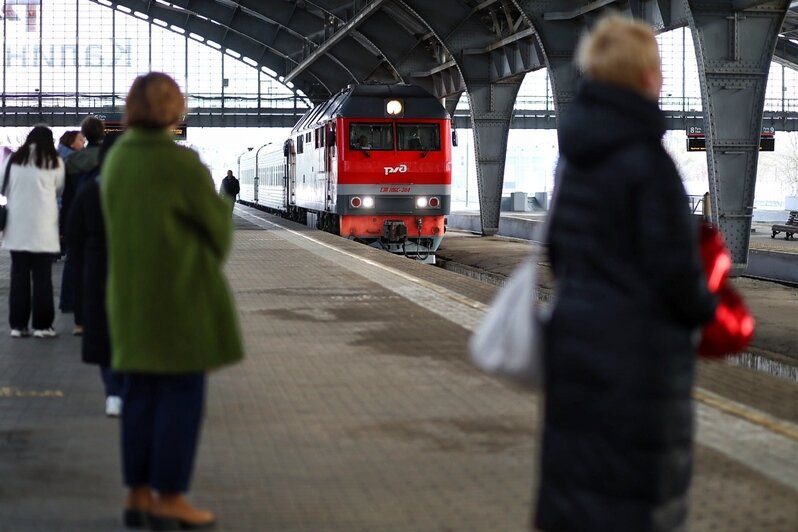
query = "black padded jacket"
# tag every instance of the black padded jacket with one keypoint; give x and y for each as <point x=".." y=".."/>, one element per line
<point x="620" y="341"/>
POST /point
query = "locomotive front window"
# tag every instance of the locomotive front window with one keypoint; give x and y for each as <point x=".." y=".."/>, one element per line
<point x="371" y="136"/>
<point x="418" y="137"/>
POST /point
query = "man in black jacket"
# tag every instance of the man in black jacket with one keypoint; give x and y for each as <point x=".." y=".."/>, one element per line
<point x="620" y="341"/>
<point x="230" y="187"/>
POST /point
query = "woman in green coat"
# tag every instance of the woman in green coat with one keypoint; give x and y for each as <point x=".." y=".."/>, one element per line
<point x="170" y="311"/>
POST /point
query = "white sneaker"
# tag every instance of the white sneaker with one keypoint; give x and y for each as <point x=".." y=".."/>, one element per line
<point x="19" y="333"/>
<point x="44" y="333"/>
<point x="113" y="406"/>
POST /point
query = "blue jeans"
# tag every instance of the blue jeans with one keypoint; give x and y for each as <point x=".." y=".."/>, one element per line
<point x="113" y="381"/>
<point x="161" y="421"/>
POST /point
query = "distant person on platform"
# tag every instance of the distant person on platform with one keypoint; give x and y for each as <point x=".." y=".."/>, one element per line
<point x="70" y="142"/>
<point x="80" y="167"/>
<point x="35" y="179"/>
<point x="85" y="232"/>
<point x="170" y="311"/>
<point x="631" y="295"/>
<point x="230" y="187"/>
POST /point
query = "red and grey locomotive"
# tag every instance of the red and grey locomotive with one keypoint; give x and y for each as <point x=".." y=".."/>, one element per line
<point x="373" y="163"/>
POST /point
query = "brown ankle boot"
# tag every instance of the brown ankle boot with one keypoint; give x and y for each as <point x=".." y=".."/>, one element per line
<point x="139" y="503"/>
<point x="171" y="511"/>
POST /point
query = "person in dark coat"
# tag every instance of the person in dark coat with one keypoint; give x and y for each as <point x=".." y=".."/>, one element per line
<point x="230" y="186"/>
<point x="81" y="167"/>
<point x="85" y="231"/>
<point x="619" y="351"/>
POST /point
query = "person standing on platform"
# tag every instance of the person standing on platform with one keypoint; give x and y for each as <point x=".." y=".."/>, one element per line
<point x="170" y="311"/>
<point x="69" y="143"/>
<point x="620" y="342"/>
<point x="80" y="167"/>
<point x="230" y="187"/>
<point x="35" y="179"/>
<point x="85" y="233"/>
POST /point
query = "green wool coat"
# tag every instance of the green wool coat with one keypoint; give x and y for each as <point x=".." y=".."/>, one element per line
<point x="169" y="306"/>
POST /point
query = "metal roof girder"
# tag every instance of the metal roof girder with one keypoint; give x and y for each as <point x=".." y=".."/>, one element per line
<point x="339" y="34"/>
<point x="189" y="21"/>
<point x="787" y="53"/>
<point x="399" y="48"/>
<point x="217" y="33"/>
<point x="579" y="11"/>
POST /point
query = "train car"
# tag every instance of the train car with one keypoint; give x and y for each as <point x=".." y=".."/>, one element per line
<point x="373" y="164"/>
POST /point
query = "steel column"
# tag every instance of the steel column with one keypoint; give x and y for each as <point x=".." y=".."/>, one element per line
<point x="734" y="50"/>
<point x="491" y="112"/>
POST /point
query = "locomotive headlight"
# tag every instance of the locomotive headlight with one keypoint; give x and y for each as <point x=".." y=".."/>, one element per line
<point x="368" y="202"/>
<point x="356" y="202"/>
<point x="421" y="202"/>
<point x="394" y="107"/>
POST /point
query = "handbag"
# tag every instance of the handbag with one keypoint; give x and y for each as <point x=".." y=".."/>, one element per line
<point x="507" y="342"/>
<point x="732" y="328"/>
<point x="4" y="199"/>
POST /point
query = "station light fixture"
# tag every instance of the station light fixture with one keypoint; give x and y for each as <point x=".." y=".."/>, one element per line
<point x="394" y="107"/>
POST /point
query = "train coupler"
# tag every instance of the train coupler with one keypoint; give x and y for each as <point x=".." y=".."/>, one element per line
<point x="394" y="231"/>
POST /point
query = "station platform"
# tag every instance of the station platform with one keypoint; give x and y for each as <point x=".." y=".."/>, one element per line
<point x="356" y="410"/>
<point x="768" y="257"/>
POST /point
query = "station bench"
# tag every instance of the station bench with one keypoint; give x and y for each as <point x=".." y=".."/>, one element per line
<point x="789" y="228"/>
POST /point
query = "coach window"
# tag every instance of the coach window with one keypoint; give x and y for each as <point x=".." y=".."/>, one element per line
<point x="371" y="136"/>
<point x="419" y="137"/>
<point x="299" y="144"/>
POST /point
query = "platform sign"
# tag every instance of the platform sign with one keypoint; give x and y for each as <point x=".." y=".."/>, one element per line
<point x="767" y="143"/>
<point x="696" y="140"/>
<point x="180" y="131"/>
<point x="696" y="143"/>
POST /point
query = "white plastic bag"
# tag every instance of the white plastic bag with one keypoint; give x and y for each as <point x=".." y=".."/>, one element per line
<point x="507" y="342"/>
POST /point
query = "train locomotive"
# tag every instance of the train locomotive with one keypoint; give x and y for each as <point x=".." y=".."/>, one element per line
<point x="372" y="163"/>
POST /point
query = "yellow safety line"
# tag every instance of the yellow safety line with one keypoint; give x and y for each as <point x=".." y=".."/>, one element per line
<point x="8" y="391"/>
<point x="758" y="418"/>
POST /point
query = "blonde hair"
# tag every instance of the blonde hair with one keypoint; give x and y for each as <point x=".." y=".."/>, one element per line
<point x="154" y="102"/>
<point x="617" y="51"/>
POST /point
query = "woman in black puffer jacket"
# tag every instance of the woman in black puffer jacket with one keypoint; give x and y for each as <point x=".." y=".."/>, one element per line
<point x="631" y="295"/>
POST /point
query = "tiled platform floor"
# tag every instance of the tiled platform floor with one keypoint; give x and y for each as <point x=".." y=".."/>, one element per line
<point x="354" y="410"/>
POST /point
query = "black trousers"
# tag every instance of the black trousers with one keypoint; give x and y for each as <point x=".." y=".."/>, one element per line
<point x="27" y="268"/>
<point x="161" y="419"/>
<point x="66" y="302"/>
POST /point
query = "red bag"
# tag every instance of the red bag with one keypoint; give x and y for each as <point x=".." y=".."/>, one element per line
<point x="715" y="256"/>
<point x="733" y="327"/>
